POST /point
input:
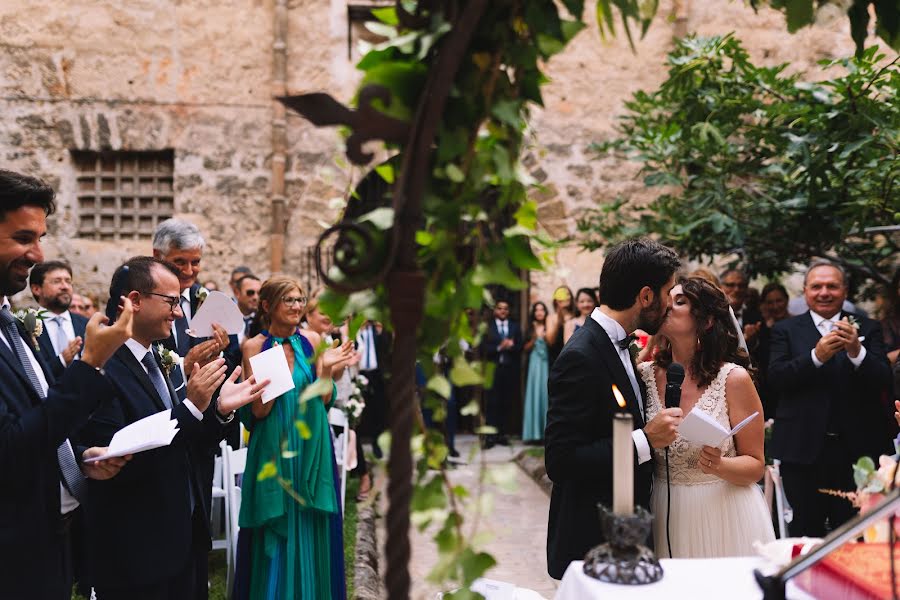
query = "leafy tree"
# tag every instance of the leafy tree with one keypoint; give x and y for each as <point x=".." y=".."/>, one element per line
<point x="761" y="166"/>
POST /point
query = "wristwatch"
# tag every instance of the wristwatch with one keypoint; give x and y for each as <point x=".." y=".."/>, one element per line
<point x="224" y="420"/>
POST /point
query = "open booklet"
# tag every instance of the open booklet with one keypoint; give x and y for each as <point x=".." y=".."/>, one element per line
<point x="702" y="429"/>
<point x="148" y="433"/>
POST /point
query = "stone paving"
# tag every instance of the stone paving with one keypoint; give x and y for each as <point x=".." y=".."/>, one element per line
<point x="517" y="524"/>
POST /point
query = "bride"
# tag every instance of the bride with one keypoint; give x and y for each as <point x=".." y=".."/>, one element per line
<point x="716" y="507"/>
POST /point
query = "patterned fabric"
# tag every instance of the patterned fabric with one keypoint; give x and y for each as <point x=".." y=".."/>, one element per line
<point x="156" y="378"/>
<point x="683" y="456"/>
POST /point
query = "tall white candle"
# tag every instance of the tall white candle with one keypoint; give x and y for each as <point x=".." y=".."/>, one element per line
<point x="623" y="460"/>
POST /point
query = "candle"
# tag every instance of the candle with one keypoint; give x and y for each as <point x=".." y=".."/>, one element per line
<point x="623" y="459"/>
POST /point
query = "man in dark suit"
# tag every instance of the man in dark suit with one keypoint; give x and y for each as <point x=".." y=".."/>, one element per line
<point x="635" y="282"/>
<point x="63" y="334"/>
<point x="829" y="377"/>
<point x="374" y="346"/>
<point x="503" y="347"/>
<point x="43" y="478"/>
<point x="150" y="528"/>
<point x="180" y="243"/>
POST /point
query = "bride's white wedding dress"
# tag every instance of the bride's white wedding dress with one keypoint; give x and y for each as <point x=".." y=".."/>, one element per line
<point x="710" y="517"/>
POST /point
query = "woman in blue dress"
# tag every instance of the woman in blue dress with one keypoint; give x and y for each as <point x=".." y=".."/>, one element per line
<point x="536" y="383"/>
<point x="291" y="540"/>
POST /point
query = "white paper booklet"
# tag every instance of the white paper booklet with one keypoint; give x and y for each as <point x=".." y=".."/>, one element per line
<point x="702" y="429"/>
<point x="217" y="308"/>
<point x="272" y="365"/>
<point x="150" y="432"/>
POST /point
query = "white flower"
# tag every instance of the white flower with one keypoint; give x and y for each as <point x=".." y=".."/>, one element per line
<point x="362" y="379"/>
<point x="33" y="322"/>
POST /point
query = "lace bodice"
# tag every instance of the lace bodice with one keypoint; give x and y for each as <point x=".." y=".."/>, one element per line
<point x="683" y="455"/>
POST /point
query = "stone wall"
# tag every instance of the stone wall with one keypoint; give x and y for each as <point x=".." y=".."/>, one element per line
<point x="196" y="76"/>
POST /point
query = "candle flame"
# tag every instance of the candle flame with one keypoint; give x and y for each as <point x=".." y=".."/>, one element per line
<point x="619" y="397"/>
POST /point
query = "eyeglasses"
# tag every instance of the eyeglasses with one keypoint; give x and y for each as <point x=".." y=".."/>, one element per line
<point x="172" y="301"/>
<point x="289" y="301"/>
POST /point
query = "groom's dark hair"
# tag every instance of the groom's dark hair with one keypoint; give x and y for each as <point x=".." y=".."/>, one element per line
<point x="631" y="265"/>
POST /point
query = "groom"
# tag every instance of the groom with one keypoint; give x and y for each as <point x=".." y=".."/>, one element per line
<point x="635" y="282"/>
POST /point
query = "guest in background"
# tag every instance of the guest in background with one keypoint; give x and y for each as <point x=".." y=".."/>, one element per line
<point x="236" y="275"/>
<point x="290" y="539"/>
<point x="563" y="311"/>
<point x="502" y="345"/>
<point x="63" y="335"/>
<point x="585" y="303"/>
<point x="891" y="320"/>
<point x="91" y="304"/>
<point x="248" y="302"/>
<point x="79" y="305"/>
<point x="707" y="275"/>
<point x="536" y="381"/>
<point x="830" y="378"/>
<point x="373" y="343"/>
<point x="773" y="305"/>
<point x="211" y="286"/>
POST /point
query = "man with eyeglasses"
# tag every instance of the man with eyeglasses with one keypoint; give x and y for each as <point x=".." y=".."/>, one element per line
<point x="150" y="531"/>
<point x="63" y="333"/>
<point x="735" y="285"/>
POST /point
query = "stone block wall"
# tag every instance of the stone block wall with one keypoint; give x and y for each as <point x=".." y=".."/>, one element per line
<point x="196" y="77"/>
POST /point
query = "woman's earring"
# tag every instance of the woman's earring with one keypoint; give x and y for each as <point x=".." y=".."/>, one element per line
<point x="699" y="344"/>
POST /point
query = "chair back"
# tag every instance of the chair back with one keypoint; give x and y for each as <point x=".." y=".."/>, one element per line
<point x="234" y="462"/>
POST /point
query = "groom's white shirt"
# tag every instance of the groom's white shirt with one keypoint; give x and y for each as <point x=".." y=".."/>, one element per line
<point x="616" y="332"/>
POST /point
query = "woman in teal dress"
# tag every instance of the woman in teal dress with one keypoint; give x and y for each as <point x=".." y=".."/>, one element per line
<point x="290" y="511"/>
<point x="536" y="384"/>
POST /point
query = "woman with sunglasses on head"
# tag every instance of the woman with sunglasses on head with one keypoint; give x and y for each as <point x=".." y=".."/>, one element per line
<point x="290" y="542"/>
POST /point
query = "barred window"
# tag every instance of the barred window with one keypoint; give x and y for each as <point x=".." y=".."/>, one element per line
<point x="123" y="195"/>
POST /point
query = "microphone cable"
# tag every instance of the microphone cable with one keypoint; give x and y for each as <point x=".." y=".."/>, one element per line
<point x="674" y="378"/>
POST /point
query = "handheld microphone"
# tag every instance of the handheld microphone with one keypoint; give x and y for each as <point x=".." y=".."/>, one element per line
<point x="674" y="377"/>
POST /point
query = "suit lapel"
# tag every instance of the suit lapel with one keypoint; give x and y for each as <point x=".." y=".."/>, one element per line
<point x="611" y="359"/>
<point x="7" y="354"/>
<point x="45" y="344"/>
<point x="125" y="355"/>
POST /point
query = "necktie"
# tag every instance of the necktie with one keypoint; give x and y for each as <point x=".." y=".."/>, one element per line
<point x="370" y="347"/>
<point x="625" y="342"/>
<point x="503" y="329"/>
<point x="247" y="322"/>
<point x="156" y="378"/>
<point x="72" y="476"/>
<point x="62" y="340"/>
<point x="825" y="326"/>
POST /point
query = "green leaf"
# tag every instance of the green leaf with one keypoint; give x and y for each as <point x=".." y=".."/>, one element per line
<point x="387" y="15"/>
<point x="454" y="173"/>
<point x="382" y="218"/>
<point x="439" y="385"/>
<point x="267" y="471"/>
<point x="303" y="429"/>
<point x="316" y="389"/>
<point x="386" y="170"/>
<point x="519" y="252"/>
<point x="462" y="373"/>
<point x="475" y="565"/>
<point x="499" y="273"/>
<point x="508" y="112"/>
<point x="799" y="13"/>
<point x="470" y="409"/>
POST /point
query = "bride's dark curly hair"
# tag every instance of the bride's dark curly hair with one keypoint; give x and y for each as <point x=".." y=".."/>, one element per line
<point x="717" y="339"/>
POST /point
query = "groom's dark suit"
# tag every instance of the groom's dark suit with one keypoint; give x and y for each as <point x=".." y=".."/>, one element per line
<point x="578" y="442"/>
<point x="827" y="417"/>
<point x="143" y="528"/>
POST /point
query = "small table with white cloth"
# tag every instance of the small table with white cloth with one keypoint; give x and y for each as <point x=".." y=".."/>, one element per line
<point x="698" y="579"/>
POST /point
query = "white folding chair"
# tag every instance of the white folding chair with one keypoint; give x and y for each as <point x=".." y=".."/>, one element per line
<point x="218" y="506"/>
<point x="338" y="418"/>
<point x="234" y="462"/>
<point x="783" y="511"/>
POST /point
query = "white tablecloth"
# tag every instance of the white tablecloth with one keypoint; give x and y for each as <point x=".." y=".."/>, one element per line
<point x="698" y="579"/>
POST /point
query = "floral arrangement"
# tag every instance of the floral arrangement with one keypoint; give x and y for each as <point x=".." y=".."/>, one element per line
<point x="168" y="358"/>
<point x="871" y="486"/>
<point x="33" y="322"/>
<point x="356" y="403"/>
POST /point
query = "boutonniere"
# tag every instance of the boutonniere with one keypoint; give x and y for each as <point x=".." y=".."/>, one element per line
<point x="167" y="357"/>
<point x="33" y="322"/>
<point x="853" y="321"/>
<point x="202" y="293"/>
